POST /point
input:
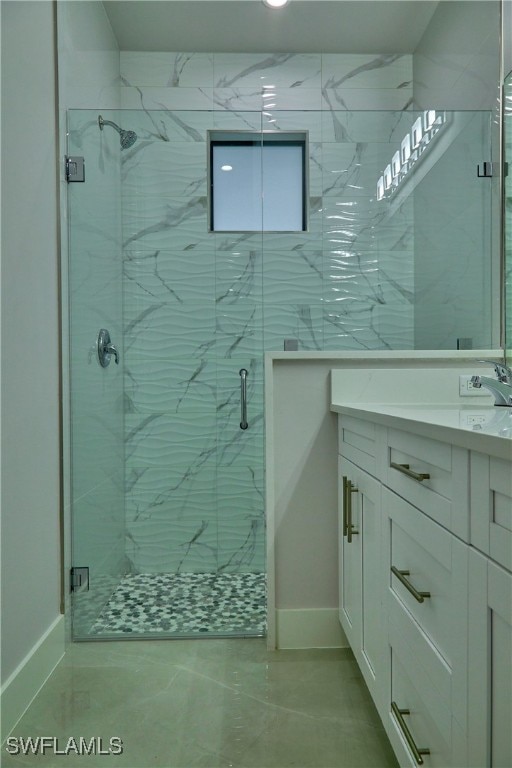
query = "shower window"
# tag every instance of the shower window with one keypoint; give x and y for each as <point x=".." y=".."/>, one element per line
<point x="257" y="182"/>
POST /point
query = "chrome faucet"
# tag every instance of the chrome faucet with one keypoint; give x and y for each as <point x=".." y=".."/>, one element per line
<point x="500" y="387"/>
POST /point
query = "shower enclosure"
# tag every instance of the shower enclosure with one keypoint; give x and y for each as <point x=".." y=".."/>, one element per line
<point x="168" y="521"/>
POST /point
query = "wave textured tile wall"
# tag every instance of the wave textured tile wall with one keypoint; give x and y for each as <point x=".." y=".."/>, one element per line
<point x="200" y="306"/>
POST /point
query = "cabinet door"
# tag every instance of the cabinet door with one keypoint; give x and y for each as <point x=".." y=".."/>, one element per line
<point x="491" y="507"/>
<point x="490" y="664"/>
<point x="359" y="570"/>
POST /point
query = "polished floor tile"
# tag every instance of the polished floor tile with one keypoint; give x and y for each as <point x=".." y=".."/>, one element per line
<point x="205" y="703"/>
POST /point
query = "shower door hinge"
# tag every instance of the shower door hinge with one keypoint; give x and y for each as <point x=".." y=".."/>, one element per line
<point x="79" y="579"/>
<point x="487" y="170"/>
<point x="75" y="168"/>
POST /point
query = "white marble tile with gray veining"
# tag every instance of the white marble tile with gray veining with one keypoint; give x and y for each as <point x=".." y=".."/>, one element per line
<point x="163" y="169"/>
<point x="168" y="126"/>
<point x="169" y="276"/>
<point x="385" y="125"/>
<point x="294" y="120"/>
<point x="165" y="223"/>
<point x="178" y="385"/>
<point x="239" y="329"/>
<point x="149" y="98"/>
<point x="362" y="70"/>
<point x="268" y="101"/>
<point x="294" y="321"/>
<point x="292" y="70"/>
<point x="366" y="99"/>
<point x="159" y="329"/>
<point x="167" y="70"/>
<point x="352" y="170"/>
<point x="238" y="277"/>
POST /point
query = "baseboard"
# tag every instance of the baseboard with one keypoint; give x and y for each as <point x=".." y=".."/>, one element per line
<point x="27" y="679"/>
<point x="309" y="628"/>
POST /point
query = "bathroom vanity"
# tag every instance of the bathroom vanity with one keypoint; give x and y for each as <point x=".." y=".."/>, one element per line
<point x="425" y="573"/>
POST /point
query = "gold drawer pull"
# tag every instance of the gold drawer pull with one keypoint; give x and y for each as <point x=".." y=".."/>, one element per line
<point x="351" y="531"/>
<point x="348" y="528"/>
<point x="405" y="469"/>
<point x="420" y="596"/>
<point x="344" y="505"/>
<point x="398" y="713"/>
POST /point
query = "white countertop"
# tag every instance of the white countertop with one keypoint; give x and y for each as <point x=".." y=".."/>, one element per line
<point x="485" y="428"/>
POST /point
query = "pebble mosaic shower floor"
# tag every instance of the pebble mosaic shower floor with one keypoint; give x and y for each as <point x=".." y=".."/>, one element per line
<point x="185" y="604"/>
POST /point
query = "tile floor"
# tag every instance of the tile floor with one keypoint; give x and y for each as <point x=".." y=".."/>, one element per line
<point x="210" y="703"/>
<point x="186" y="603"/>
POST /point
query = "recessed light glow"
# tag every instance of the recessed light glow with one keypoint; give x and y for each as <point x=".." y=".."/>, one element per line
<point x="226" y="167"/>
<point x="275" y="3"/>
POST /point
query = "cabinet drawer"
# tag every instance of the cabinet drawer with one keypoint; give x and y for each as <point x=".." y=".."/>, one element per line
<point x="432" y="475"/>
<point x="423" y="720"/>
<point x="362" y="442"/>
<point x="491" y="507"/>
<point x="433" y="588"/>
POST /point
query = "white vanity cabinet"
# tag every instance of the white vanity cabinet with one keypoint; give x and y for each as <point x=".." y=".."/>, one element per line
<point x="359" y="534"/>
<point x="425" y="532"/>
<point x="359" y="570"/>
<point x="490" y="613"/>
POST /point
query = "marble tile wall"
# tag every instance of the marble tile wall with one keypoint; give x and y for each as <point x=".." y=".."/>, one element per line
<point x="200" y="306"/>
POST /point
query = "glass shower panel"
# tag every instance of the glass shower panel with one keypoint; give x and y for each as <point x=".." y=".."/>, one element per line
<point x="391" y="259"/>
<point x="193" y="550"/>
<point x="95" y="301"/>
<point x="453" y="225"/>
<point x="507" y="150"/>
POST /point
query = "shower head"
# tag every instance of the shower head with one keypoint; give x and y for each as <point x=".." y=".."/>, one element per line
<point x="128" y="138"/>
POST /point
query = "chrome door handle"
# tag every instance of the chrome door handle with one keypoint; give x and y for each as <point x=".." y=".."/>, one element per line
<point x="243" y="398"/>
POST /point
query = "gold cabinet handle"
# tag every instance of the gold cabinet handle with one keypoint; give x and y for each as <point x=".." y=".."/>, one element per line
<point x="351" y="531"/>
<point x="344" y="505"/>
<point x="417" y="752"/>
<point x="420" y="596"/>
<point x="406" y="470"/>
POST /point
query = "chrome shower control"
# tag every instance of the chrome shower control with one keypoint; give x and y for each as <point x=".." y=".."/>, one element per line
<point x="106" y="349"/>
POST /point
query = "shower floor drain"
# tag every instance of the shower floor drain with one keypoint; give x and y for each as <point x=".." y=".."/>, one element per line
<point x="186" y="603"/>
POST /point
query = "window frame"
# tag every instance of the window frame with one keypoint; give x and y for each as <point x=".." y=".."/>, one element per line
<point x="220" y="137"/>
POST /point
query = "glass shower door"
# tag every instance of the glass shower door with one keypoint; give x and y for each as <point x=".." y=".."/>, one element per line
<point x="192" y="555"/>
<point x="95" y="303"/>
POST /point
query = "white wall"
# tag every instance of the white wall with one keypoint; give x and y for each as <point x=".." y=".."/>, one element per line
<point x="30" y="332"/>
<point x="507" y="36"/>
<point x="456" y="63"/>
<point x="32" y="626"/>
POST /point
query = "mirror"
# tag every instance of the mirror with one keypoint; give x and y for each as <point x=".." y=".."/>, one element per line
<point x="507" y="211"/>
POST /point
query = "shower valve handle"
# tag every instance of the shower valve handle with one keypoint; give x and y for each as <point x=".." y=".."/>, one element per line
<point x="111" y="350"/>
<point x="106" y="349"/>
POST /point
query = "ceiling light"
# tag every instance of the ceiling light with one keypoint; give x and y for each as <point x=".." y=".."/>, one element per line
<point x="226" y="167"/>
<point x="275" y="3"/>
